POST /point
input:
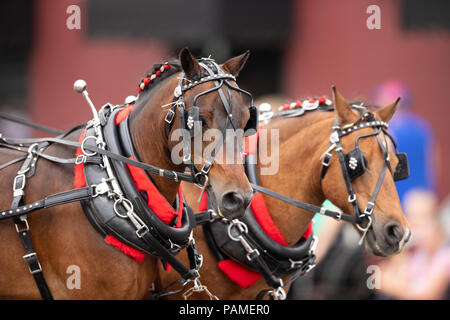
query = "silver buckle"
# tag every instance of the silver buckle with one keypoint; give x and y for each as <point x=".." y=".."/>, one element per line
<point x="250" y="251"/>
<point x="169" y="116"/>
<point x="214" y="215"/>
<point x="208" y="165"/>
<point x="101" y="188"/>
<point x="18" y="190"/>
<point x="27" y="227"/>
<point x="295" y="263"/>
<point x="80" y="159"/>
<point x="352" y="197"/>
<point x="326" y="159"/>
<point x="278" y="294"/>
<point x="367" y="211"/>
<point x="22" y="185"/>
<point x="142" y="231"/>
<point x="28" y="256"/>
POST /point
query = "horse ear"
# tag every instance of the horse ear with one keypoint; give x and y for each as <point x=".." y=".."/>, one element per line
<point x="344" y="112"/>
<point x="385" y="114"/>
<point x="189" y="64"/>
<point x="235" y="65"/>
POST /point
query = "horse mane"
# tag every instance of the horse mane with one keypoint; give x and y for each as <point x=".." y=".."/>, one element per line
<point x="174" y="68"/>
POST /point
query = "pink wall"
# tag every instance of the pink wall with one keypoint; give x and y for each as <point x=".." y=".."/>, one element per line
<point x="332" y="45"/>
<point x="111" y="68"/>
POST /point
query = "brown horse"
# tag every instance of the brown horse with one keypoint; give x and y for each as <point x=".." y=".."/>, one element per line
<point x="302" y="142"/>
<point x="63" y="238"/>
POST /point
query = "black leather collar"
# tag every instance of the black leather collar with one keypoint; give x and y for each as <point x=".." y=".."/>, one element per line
<point x="274" y="260"/>
<point x="100" y="210"/>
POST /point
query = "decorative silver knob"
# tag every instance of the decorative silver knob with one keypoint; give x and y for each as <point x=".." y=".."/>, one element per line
<point x="130" y="99"/>
<point x="79" y="86"/>
<point x="265" y="107"/>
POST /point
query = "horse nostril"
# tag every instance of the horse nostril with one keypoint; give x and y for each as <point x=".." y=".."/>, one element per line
<point x="233" y="201"/>
<point x="393" y="233"/>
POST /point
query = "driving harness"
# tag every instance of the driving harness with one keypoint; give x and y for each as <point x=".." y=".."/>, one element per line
<point x="110" y="199"/>
<point x="245" y="242"/>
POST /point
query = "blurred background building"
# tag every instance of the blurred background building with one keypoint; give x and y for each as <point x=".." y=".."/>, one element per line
<point x="299" y="48"/>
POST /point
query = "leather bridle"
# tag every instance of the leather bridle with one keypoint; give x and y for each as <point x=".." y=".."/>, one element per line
<point x="361" y="218"/>
<point x="221" y="81"/>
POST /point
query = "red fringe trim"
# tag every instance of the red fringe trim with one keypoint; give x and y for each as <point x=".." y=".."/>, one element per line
<point x="134" y="253"/>
<point x="264" y="219"/>
<point x="241" y="275"/>
<point x="156" y="200"/>
<point x="123" y="114"/>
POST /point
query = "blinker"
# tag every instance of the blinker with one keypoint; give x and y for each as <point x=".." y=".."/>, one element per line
<point x="252" y="124"/>
<point x="402" y="169"/>
<point x="356" y="163"/>
<point x="192" y="121"/>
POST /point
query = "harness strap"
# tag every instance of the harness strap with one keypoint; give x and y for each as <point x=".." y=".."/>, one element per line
<point x="165" y="254"/>
<point x="19" y="209"/>
<point x="32" y="261"/>
<point x="6" y="164"/>
<point x="29" y="123"/>
<point x="23" y="229"/>
<point x="310" y="207"/>
<point x="154" y="170"/>
<point x="204" y="217"/>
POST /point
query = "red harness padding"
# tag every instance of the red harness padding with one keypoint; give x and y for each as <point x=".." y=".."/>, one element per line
<point x="78" y="180"/>
<point x="251" y="143"/>
<point x="137" y="255"/>
<point x="123" y="114"/>
<point x="156" y="201"/>
<point x="238" y="273"/>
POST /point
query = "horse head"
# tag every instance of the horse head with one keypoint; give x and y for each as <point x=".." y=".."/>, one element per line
<point x="202" y="97"/>
<point x="362" y="179"/>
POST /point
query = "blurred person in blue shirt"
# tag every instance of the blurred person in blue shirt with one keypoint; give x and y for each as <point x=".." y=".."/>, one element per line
<point x="413" y="135"/>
